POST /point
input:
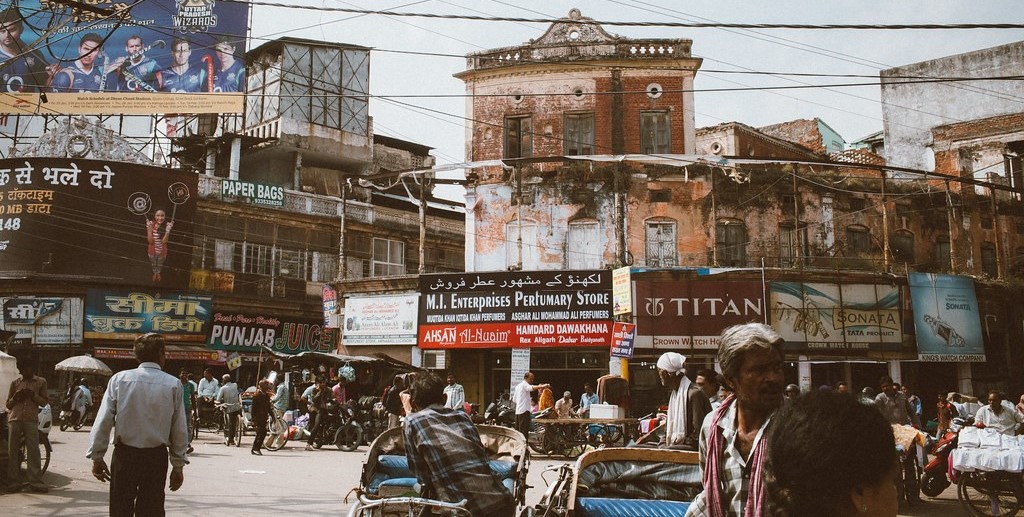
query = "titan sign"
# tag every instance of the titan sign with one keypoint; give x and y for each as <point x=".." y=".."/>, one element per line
<point x="108" y="220"/>
<point x="516" y="309"/>
<point x="690" y="315"/>
<point x="157" y="56"/>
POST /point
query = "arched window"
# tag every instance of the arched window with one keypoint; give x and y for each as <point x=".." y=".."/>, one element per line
<point x="583" y="246"/>
<point x="988" y="260"/>
<point x="902" y="247"/>
<point x="731" y="242"/>
<point x="661" y="243"/>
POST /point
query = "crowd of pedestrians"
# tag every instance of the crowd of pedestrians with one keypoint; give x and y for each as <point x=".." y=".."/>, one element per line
<point x="765" y="448"/>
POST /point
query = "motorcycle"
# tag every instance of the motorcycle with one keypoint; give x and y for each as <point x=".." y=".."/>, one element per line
<point x="338" y="426"/>
<point x="69" y="418"/>
<point x="372" y="417"/>
<point x="500" y="412"/>
<point x="934" y="479"/>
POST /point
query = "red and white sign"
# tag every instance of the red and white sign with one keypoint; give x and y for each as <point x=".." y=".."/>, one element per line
<point x="691" y="314"/>
<point x="546" y="334"/>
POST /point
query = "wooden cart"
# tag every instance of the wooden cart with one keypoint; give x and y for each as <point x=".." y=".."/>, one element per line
<point x="570" y="437"/>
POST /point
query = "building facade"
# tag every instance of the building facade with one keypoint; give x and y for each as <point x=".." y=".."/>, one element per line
<point x="781" y="210"/>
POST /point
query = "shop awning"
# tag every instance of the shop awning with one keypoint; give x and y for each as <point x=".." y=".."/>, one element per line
<point x="173" y="353"/>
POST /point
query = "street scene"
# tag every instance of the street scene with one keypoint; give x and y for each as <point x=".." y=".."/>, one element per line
<point x="511" y="258"/>
<point x="221" y="478"/>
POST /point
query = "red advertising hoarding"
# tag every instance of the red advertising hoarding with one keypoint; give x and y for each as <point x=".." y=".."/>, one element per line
<point x="515" y="309"/>
<point x="690" y="315"/>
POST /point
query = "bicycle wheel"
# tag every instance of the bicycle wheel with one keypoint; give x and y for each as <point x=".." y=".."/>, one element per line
<point x="44" y="455"/>
<point x="277" y="434"/>
<point x="238" y="430"/>
<point x="349" y="437"/>
<point x="989" y="494"/>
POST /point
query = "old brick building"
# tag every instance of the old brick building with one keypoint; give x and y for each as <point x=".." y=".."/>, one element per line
<point x="591" y="178"/>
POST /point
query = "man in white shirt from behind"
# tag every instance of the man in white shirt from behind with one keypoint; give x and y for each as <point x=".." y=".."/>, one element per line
<point x="231" y="398"/>
<point x="149" y="409"/>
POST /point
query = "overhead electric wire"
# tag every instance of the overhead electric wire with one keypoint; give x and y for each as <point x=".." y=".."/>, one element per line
<point x="618" y="23"/>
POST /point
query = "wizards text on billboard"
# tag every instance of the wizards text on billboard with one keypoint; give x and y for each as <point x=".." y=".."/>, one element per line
<point x="534" y="309"/>
<point x="117" y="221"/>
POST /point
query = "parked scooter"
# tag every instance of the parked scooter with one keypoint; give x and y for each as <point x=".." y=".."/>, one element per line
<point x="500" y="412"/>
<point x="934" y="480"/>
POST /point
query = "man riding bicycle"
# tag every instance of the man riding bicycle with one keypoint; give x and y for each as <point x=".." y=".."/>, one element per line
<point x="231" y="402"/>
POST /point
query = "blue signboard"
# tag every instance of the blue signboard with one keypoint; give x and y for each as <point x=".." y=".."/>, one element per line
<point x="946" y="318"/>
<point x="157" y="56"/>
<point x="125" y="315"/>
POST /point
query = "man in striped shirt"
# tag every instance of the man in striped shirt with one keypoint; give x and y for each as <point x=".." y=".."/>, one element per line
<point x="733" y="438"/>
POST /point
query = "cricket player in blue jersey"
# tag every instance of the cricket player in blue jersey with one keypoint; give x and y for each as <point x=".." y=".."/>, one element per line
<point x="230" y="76"/>
<point x="22" y="70"/>
<point x="84" y="74"/>
<point x="181" y="77"/>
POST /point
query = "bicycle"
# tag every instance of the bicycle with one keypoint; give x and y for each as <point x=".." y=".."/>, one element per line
<point x="226" y="418"/>
<point x="205" y="416"/>
<point x="996" y="493"/>
<point x="277" y="432"/>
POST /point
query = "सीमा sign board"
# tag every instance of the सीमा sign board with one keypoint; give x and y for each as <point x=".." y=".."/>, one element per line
<point x="126" y="315"/>
<point x="137" y="58"/>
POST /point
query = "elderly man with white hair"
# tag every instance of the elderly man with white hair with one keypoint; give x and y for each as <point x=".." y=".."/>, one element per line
<point x="687" y="403"/>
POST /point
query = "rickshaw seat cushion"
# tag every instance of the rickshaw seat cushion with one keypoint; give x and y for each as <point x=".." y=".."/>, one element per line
<point x="382" y="480"/>
<point x="608" y="507"/>
<point x="502" y="468"/>
<point x="394" y="465"/>
<point x="393" y="470"/>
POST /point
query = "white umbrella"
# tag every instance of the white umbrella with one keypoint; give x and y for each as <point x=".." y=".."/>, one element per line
<point x="84" y="364"/>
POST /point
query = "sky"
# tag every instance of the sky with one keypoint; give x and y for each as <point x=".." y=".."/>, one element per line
<point x="853" y="112"/>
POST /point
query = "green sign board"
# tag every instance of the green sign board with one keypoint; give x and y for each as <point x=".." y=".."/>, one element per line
<point x="255" y="193"/>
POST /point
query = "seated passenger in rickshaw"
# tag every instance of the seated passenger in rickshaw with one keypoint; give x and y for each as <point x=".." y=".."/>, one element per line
<point x="445" y="453"/>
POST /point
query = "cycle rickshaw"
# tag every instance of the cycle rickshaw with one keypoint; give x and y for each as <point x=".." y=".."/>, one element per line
<point x="386" y="485"/>
<point x="988" y="468"/>
<point x="622" y="482"/>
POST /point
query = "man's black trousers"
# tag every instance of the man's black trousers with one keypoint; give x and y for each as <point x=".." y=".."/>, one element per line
<point x="137" y="478"/>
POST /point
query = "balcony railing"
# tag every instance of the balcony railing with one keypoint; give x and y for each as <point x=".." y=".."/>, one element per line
<point x="327" y="206"/>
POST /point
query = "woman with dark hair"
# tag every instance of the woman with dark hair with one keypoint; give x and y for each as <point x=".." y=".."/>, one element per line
<point x="831" y="455"/>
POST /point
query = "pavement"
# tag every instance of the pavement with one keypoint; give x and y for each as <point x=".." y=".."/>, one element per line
<point x="229" y="480"/>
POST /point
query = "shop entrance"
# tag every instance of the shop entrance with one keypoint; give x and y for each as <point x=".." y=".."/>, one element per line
<point x="564" y="370"/>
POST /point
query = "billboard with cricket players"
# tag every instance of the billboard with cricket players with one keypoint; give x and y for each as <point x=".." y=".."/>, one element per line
<point x="110" y="57"/>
